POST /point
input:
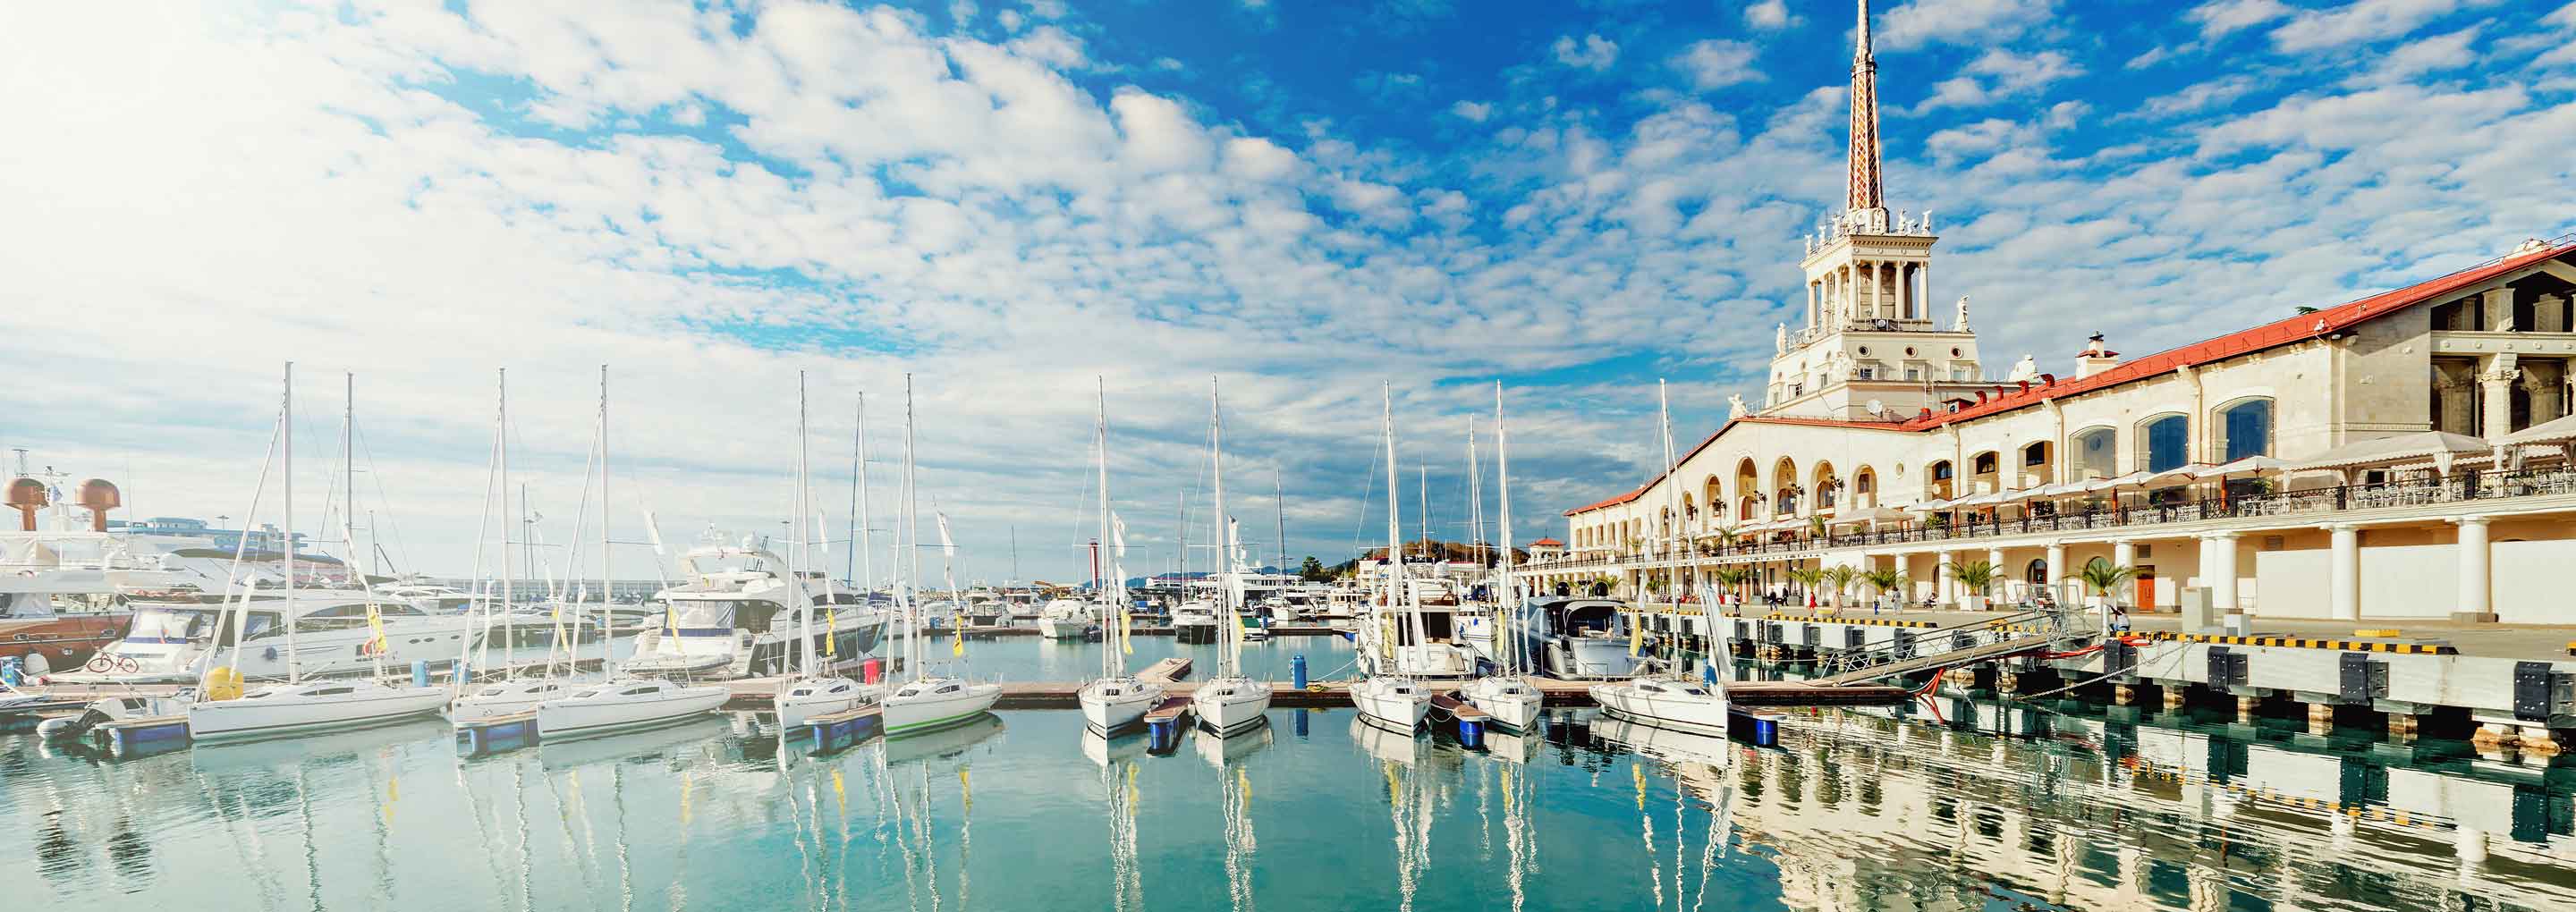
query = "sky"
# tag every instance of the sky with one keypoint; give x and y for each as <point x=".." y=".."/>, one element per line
<point x="1019" y="203"/>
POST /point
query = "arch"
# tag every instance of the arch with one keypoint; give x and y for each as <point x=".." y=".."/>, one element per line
<point x="2093" y="452"/>
<point x="2038" y="460"/>
<point x="1985" y="472"/>
<point x="1712" y="495"/>
<point x="1784" y="487"/>
<point x="1864" y="488"/>
<point x="1939" y="479"/>
<point x="2244" y="428"/>
<point x="2036" y="573"/>
<point x="2164" y="441"/>
<point x="1824" y="485"/>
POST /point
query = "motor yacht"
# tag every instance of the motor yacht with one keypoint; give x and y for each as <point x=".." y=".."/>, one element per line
<point x="1576" y="638"/>
<point x="1195" y="621"/>
<point x="738" y="615"/>
<point x="1065" y="619"/>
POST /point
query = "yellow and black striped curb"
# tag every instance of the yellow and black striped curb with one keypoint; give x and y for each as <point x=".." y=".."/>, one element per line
<point x="2015" y="628"/>
<point x="2359" y="811"/>
<point x="2303" y="643"/>
<point x="1861" y="621"/>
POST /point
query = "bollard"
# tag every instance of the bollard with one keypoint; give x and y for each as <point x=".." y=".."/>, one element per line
<point x="420" y="672"/>
<point x="1297" y="671"/>
<point x="1471" y="735"/>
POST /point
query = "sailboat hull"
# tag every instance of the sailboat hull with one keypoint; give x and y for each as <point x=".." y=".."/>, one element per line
<point x="1510" y="702"/>
<point x="1231" y="705"/>
<point x="1111" y="706"/>
<point x="1393" y="702"/>
<point x="1676" y="705"/>
<point x="578" y="717"/>
<point x="925" y="705"/>
<point x="805" y="701"/>
<point x="311" y="709"/>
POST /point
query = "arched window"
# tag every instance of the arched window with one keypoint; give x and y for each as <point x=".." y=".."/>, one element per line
<point x="2036" y="574"/>
<point x="1941" y="470"/>
<point x="2164" y="442"/>
<point x="1984" y="464"/>
<point x="2244" y="429"/>
<point x="2035" y="455"/>
<point x="2094" y="456"/>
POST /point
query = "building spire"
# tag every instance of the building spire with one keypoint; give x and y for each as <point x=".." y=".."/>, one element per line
<point x="1867" y="193"/>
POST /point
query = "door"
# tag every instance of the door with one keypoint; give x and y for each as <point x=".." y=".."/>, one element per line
<point x="2146" y="589"/>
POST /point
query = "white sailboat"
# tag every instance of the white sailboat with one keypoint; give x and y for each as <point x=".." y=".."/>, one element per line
<point x="814" y="692"/>
<point x="1230" y="702"/>
<point x="926" y="702"/>
<point x="1665" y="700"/>
<point x="512" y="695"/>
<point x="619" y="704"/>
<point x="297" y="705"/>
<point x="1117" y="699"/>
<point x="1504" y="696"/>
<point x="1387" y="697"/>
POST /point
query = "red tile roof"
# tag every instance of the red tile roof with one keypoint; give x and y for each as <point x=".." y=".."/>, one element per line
<point x="1721" y="431"/>
<point x="2269" y="335"/>
<point x="1547" y="543"/>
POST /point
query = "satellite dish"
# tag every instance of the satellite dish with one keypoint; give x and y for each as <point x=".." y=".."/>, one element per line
<point x="1877" y="407"/>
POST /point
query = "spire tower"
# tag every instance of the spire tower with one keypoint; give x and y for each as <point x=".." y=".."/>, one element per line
<point x="1867" y="198"/>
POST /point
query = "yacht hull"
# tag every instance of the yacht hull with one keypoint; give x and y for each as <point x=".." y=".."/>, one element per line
<point x="1229" y="706"/>
<point x="1510" y="702"/>
<point x="1109" y="713"/>
<point x="931" y="711"/>
<point x="559" y="720"/>
<point x="1703" y="713"/>
<point x="1395" y="702"/>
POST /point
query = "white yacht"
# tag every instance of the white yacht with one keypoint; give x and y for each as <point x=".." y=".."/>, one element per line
<point x="1394" y="629"/>
<point x="625" y="705"/>
<point x="1117" y="699"/>
<point x="1510" y="701"/>
<point x="506" y="698"/>
<point x="1230" y="701"/>
<point x="816" y="691"/>
<point x="1065" y="619"/>
<point x="739" y="612"/>
<point x="927" y="702"/>
<point x="1575" y="638"/>
<point x="174" y="641"/>
<point x="282" y="709"/>
<point x="1195" y="621"/>
<point x="1504" y="696"/>
<point x="1666" y="702"/>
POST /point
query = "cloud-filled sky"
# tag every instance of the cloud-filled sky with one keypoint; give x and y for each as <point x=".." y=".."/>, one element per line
<point x="1008" y="200"/>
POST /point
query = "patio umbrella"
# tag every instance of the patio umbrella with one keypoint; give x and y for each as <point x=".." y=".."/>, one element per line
<point x="2560" y="430"/>
<point x="2440" y="446"/>
<point x="2130" y="480"/>
<point x="2242" y="466"/>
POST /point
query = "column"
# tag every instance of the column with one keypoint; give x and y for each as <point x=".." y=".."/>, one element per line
<point x="2218" y="562"/>
<point x="2002" y="581"/>
<point x="2474" y="555"/>
<point x="2125" y="554"/>
<point x="1922" y="301"/>
<point x="1941" y="572"/>
<point x="2057" y="570"/>
<point x="2344" y="576"/>
<point x="2495" y="394"/>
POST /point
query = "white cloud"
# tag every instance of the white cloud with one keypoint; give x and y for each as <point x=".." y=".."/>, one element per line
<point x="2197" y="97"/>
<point x="2218" y="18"/>
<point x="2153" y="56"/>
<point x="1714" y="63"/>
<point x="1475" y="111"/>
<point x="1958" y="22"/>
<point x="1767" y="15"/>
<point x="2362" y="22"/>
<point x="1258" y="159"/>
<point x="1999" y="74"/>
<point x="2438" y="53"/>
<point x="1593" y="52"/>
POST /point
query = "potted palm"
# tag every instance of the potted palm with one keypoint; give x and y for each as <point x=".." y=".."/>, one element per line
<point x="1807" y="578"/>
<point x="1731" y="581"/>
<point x="2103" y="579"/>
<point x="1838" y="578"/>
<point x="1883" y="580"/>
<point x="1973" y="578"/>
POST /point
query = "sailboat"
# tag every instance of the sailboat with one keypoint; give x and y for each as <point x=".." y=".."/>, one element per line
<point x="1387" y="697"/>
<point x="1666" y="700"/>
<point x="1117" y="699"/>
<point x="619" y="704"/>
<point x="1504" y="696"/>
<point x="1230" y="702"/>
<point x="299" y="705"/>
<point x="814" y="692"/>
<point x="513" y="695"/>
<point x="926" y="702"/>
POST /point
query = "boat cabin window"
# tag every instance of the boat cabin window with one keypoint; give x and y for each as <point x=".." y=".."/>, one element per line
<point x="336" y="617"/>
<point x="330" y="691"/>
<point x="952" y="688"/>
<point x="754" y="615"/>
<point x="645" y="689"/>
<point x="840" y="688"/>
<point x="1436" y="627"/>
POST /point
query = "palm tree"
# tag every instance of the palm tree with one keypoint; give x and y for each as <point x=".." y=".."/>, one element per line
<point x="1807" y="578"/>
<point x="1975" y="576"/>
<point x="2103" y="578"/>
<point x="1840" y="576"/>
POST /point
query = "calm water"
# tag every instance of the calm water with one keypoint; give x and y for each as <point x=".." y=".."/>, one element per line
<point x="1024" y="811"/>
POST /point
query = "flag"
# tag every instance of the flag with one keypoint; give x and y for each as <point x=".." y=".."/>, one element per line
<point x="653" y="530"/>
<point x="831" y="622"/>
<point x="1235" y="624"/>
<point x="1636" y="633"/>
<point x="957" y="644"/>
<point x="1117" y="536"/>
<point x="375" y="626"/>
<point x="1127" y="630"/>
<point x="947" y="546"/>
<point x="1234" y="540"/>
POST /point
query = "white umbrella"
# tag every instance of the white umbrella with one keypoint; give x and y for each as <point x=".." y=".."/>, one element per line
<point x="2060" y="489"/>
<point x="1981" y="500"/>
<point x="2558" y="431"/>
<point x="2130" y="480"/>
<point x="2185" y="472"/>
<point x="2241" y="466"/>
<point x="2439" y="446"/>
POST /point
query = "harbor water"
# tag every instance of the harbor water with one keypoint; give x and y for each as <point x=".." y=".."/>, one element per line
<point x="1995" y="808"/>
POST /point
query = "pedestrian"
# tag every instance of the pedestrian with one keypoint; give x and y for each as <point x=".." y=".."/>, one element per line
<point x="2119" y="619"/>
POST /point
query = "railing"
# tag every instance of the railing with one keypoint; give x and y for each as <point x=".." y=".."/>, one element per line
<point x="2459" y="487"/>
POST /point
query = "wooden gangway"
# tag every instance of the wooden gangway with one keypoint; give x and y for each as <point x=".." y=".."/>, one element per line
<point x="1935" y="662"/>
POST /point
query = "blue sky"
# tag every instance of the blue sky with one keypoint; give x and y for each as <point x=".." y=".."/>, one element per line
<point x="1009" y="199"/>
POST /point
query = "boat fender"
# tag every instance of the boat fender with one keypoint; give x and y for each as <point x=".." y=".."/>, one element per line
<point x="10" y="674"/>
<point x="223" y="683"/>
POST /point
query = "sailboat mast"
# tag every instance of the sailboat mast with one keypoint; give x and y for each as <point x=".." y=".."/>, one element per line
<point x="349" y="472"/>
<point x="1109" y="657"/>
<point x="864" y="562"/>
<point x="288" y="616"/>
<point x="1503" y="496"/>
<point x="912" y="537"/>
<point x="805" y="611"/>
<point x="607" y="586"/>
<point x="1672" y="494"/>
<point x="1279" y="496"/>
<point x="1224" y="531"/>
<point x="509" y="579"/>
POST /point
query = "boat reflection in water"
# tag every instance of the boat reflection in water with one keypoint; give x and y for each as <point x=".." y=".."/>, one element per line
<point x="1854" y="812"/>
